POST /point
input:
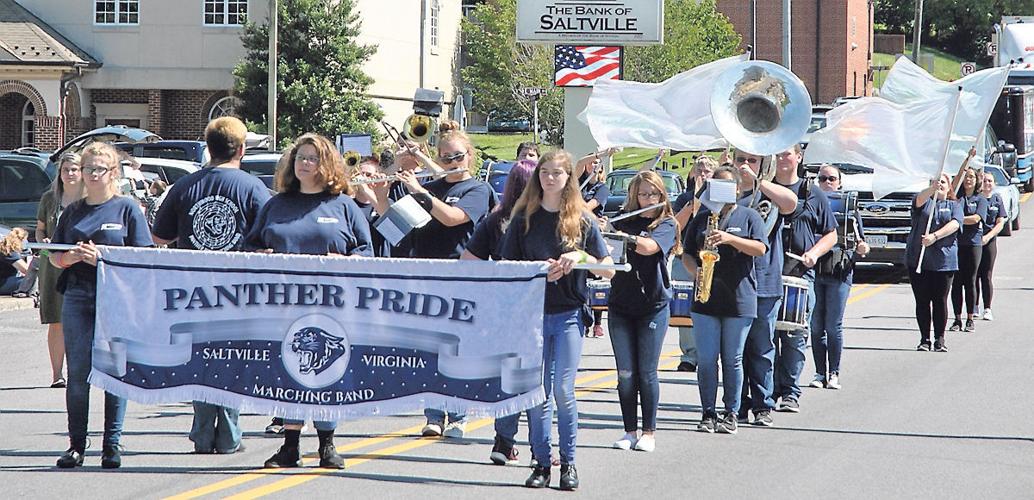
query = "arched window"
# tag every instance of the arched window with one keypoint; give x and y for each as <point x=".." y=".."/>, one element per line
<point x="28" y="124"/>
<point x="226" y="106"/>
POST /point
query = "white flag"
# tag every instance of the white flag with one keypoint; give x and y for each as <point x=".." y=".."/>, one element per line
<point x="673" y="114"/>
<point x="903" y="144"/>
<point x="909" y="84"/>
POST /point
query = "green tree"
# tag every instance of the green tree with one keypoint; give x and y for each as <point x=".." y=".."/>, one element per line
<point x="694" y="34"/>
<point x="320" y="81"/>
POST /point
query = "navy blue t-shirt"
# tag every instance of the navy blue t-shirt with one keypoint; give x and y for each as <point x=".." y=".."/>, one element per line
<point x="118" y="222"/>
<point x="943" y="255"/>
<point x="734" y="285"/>
<point x="975" y="204"/>
<point x="995" y="209"/>
<point x="541" y="242"/>
<point x="646" y="288"/>
<point x="311" y="224"/>
<point x="438" y="241"/>
<point x="485" y="242"/>
<point x="7" y="264"/>
<point x="211" y="209"/>
<point x="381" y="247"/>
<point x="812" y="218"/>
<point x="768" y="268"/>
<point x="681" y="201"/>
<point x="595" y="191"/>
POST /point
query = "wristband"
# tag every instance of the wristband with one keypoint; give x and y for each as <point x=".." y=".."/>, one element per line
<point x="61" y="261"/>
<point x="425" y="200"/>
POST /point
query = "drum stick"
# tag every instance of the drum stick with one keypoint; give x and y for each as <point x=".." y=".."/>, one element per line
<point x="795" y="256"/>
<point x="636" y="212"/>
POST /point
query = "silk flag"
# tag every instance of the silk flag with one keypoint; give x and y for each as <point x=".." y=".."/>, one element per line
<point x="319" y="337"/>
<point x="673" y="114"/>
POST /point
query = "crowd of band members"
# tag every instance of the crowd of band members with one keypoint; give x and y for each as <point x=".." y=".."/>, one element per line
<point x="549" y="212"/>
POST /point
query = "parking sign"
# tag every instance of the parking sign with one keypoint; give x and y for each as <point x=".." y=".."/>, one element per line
<point x="968" y="68"/>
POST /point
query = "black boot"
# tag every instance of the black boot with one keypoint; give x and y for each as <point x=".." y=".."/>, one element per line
<point x="73" y="457"/>
<point x="539" y="477"/>
<point x="111" y="457"/>
<point x="329" y="458"/>
<point x="568" y="477"/>
<point x="287" y="455"/>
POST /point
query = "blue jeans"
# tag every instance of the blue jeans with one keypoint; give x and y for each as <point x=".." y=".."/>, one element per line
<point x="637" y="344"/>
<point x="827" y="322"/>
<point x="78" y="316"/>
<point x="561" y="352"/>
<point x="759" y="357"/>
<point x="9" y="285"/>
<point x="215" y="428"/>
<point x="789" y="355"/>
<point x="319" y="425"/>
<point x="725" y="335"/>
<point x="437" y="416"/>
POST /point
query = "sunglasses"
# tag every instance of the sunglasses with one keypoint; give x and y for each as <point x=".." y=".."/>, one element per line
<point x="744" y="159"/>
<point x="454" y="158"/>
<point x="830" y="178"/>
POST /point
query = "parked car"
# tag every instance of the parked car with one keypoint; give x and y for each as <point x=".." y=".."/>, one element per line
<point x="193" y="151"/>
<point x="24" y="177"/>
<point x="618" y="180"/>
<point x="112" y="134"/>
<point x="499" y="122"/>
<point x="261" y="165"/>
<point x="1010" y="193"/>
<point x="165" y="170"/>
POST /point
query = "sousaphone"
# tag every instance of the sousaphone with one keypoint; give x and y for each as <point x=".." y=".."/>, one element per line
<point x="760" y="107"/>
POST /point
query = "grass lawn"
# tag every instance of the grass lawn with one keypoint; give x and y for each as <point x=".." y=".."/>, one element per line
<point x="946" y="66"/>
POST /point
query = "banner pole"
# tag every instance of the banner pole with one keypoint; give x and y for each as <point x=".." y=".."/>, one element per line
<point x="944" y="157"/>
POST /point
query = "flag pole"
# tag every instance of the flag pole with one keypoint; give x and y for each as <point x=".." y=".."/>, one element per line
<point x="944" y="158"/>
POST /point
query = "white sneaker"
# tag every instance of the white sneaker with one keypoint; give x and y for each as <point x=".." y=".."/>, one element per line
<point x="626" y="442"/>
<point x="432" y="429"/>
<point x="834" y="381"/>
<point x="818" y="381"/>
<point x="455" y="429"/>
<point x="988" y="316"/>
<point x="646" y="443"/>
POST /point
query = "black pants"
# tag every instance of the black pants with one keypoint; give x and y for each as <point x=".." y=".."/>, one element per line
<point x="986" y="271"/>
<point x="965" y="281"/>
<point x="931" y="293"/>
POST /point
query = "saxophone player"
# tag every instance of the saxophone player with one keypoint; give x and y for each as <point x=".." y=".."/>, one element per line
<point x="723" y="313"/>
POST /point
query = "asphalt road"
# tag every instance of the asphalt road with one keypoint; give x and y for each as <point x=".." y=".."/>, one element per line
<point x="907" y="424"/>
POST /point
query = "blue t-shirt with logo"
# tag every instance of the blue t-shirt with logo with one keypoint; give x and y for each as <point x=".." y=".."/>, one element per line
<point x="995" y="209"/>
<point x="975" y="204"/>
<point x="211" y="209"/>
<point x="734" y="284"/>
<point x="768" y="268"/>
<point x="812" y="218"/>
<point x="438" y="241"/>
<point x="542" y="243"/>
<point x="647" y="287"/>
<point x="312" y="224"/>
<point x="943" y="255"/>
<point x="118" y="222"/>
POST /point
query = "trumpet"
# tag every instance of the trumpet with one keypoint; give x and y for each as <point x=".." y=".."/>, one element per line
<point x="419" y="128"/>
<point x="395" y="177"/>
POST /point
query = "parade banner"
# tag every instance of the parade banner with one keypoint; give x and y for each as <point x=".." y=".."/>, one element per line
<point x="319" y="337"/>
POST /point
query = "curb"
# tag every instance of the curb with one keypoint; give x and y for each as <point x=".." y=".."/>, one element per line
<point x="13" y="304"/>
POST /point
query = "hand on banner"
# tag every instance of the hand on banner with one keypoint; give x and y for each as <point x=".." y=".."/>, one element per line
<point x="87" y="252"/>
<point x="563" y="265"/>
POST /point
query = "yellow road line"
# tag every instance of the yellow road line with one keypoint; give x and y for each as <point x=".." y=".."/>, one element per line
<point x="867" y="293"/>
<point x="1024" y="197"/>
<point x="858" y="288"/>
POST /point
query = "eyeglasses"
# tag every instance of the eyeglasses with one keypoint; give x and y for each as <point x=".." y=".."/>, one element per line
<point x="744" y="159"/>
<point x="830" y="178"/>
<point x="306" y="159"/>
<point x="643" y="194"/>
<point x="96" y="170"/>
<point x="453" y="158"/>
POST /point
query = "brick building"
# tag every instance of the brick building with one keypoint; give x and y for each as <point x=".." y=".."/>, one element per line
<point x="831" y="41"/>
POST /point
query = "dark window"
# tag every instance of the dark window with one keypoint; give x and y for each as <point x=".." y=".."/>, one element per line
<point x="22" y="181"/>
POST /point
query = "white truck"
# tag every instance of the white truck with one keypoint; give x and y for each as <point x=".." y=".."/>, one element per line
<point x="1013" y="45"/>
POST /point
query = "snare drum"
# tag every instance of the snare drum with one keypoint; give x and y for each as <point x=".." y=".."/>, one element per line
<point x="681" y="303"/>
<point x="793" y="314"/>
<point x="599" y="293"/>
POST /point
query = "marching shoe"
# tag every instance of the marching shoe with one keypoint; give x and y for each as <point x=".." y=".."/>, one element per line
<point x="502" y="454"/>
<point x="924" y="346"/>
<point x="111" y="457"/>
<point x="727" y="424"/>
<point x="568" y="477"/>
<point x="432" y="429"/>
<point x="286" y="456"/>
<point x="686" y="366"/>
<point x="626" y="442"/>
<point x="834" y="381"/>
<point x="455" y="429"/>
<point x="987" y="315"/>
<point x="763" y="418"/>
<point x="539" y="477"/>
<point x="707" y="424"/>
<point x="73" y="457"/>
<point x="956" y="326"/>
<point x="970" y="327"/>
<point x="818" y="381"/>
<point x="329" y="457"/>
<point x="646" y="443"/>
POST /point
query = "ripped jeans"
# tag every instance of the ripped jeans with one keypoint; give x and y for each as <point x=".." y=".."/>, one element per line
<point x="637" y="342"/>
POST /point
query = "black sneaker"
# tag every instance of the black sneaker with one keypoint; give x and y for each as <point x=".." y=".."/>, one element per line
<point x="970" y="327"/>
<point x="111" y="457"/>
<point x="955" y="326"/>
<point x="939" y="346"/>
<point x="329" y="458"/>
<point x="73" y="457"/>
<point x="284" y="457"/>
<point x="763" y="418"/>
<point x="503" y="454"/>
<point x="568" y="477"/>
<point x="924" y="346"/>
<point x="789" y="404"/>
<point x="686" y="366"/>
<point x="539" y="478"/>
<point x="727" y="424"/>
<point x="707" y="424"/>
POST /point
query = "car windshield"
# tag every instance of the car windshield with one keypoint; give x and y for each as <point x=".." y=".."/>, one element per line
<point x="22" y="181"/>
<point x="259" y="167"/>
<point x="618" y="184"/>
<point x="167" y="152"/>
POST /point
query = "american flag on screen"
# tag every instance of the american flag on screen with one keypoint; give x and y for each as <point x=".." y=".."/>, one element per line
<point x="578" y="66"/>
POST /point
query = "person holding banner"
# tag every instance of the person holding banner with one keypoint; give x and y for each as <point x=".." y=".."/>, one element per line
<point x="551" y="223"/>
<point x="102" y="217"/>
<point x="997" y="218"/>
<point x="67" y="188"/>
<point x="314" y="215"/>
<point x="456" y="203"/>
<point x="974" y="212"/>
<point x="721" y="322"/>
<point x="638" y="306"/>
<point x="213" y="209"/>
<point x="484" y="244"/>
<point x="931" y="277"/>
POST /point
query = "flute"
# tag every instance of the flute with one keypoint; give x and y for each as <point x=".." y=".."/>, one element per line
<point x="394" y="177"/>
<point x="637" y="212"/>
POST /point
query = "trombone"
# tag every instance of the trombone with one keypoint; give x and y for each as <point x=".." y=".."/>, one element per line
<point x="396" y="137"/>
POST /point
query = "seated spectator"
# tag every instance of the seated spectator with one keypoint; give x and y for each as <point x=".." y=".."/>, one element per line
<point x="13" y="265"/>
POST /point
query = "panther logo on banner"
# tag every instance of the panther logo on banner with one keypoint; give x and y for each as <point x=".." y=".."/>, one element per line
<point x="315" y="350"/>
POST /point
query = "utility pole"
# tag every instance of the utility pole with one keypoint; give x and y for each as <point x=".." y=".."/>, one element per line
<point x="917" y="31"/>
<point x="787" y="57"/>
<point x="271" y="93"/>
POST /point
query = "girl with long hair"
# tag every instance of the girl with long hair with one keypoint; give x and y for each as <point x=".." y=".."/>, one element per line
<point x="974" y="211"/>
<point x="997" y="218"/>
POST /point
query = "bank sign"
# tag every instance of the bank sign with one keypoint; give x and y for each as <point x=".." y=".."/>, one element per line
<point x="591" y="22"/>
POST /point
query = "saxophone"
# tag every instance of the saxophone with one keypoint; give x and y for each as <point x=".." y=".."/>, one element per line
<point x="708" y="258"/>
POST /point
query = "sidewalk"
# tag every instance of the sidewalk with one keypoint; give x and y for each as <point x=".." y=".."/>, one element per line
<point x="8" y="303"/>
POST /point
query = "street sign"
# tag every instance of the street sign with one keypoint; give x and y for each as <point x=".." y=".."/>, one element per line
<point x="533" y="91"/>
<point x="591" y="22"/>
<point x="968" y="68"/>
<point x="992" y="48"/>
